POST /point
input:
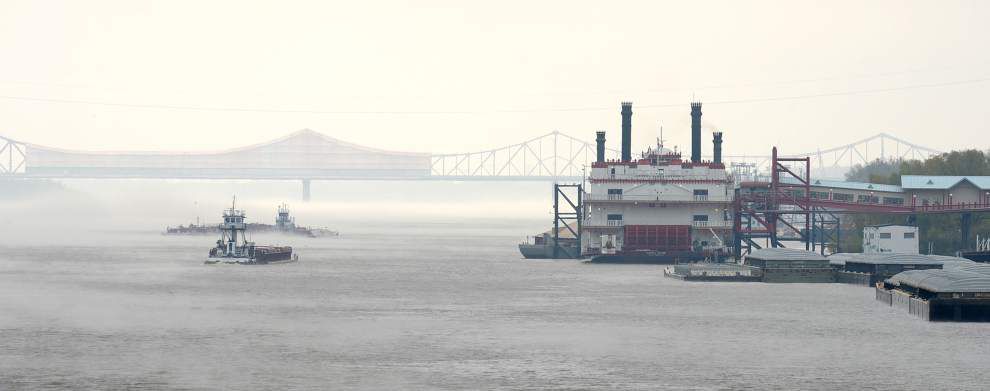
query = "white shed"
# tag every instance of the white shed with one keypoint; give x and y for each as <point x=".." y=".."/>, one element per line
<point x="899" y="239"/>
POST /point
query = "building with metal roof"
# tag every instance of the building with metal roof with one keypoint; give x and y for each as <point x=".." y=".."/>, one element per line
<point x="946" y="189"/>
<point x="943" y="182"/>
<point x="863" y="186"/>
<point x="920" y="190"/>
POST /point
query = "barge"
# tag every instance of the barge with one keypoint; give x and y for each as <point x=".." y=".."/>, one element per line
<point x="724" y="272"/>
<point x="233" y="248"/>
<point x="959" y="292"/>
<point x="785" y="265"/>
<point x="284" y="224"/>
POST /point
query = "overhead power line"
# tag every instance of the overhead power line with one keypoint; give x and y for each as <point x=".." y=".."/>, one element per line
<point x="539" y="110"/>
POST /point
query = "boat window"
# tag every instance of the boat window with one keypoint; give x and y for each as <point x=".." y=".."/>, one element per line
<point x="698" y="192"/>
<point x="700" y="217"/>
<point x="615" y="217"/>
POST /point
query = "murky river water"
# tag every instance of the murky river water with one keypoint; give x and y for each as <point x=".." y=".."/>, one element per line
<point x="443" y="306"/>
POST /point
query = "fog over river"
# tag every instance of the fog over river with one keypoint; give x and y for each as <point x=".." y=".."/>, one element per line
<point x="425" y="293"/>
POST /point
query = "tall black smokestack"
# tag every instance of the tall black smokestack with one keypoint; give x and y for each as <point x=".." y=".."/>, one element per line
<point x="600" y="140"/>
<point x="695" y="132"/>
<point x="717" y="141"/>
<point x="626" y="131"/>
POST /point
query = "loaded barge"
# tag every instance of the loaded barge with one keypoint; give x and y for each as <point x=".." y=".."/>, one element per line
<point x="233" y="247"/>
<point x="723" y="272"/>
<point x="284" y="224"/>
<point x="957" y="292"/>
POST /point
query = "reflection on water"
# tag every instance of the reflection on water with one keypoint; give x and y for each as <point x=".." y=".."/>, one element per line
<point x="442" y="306"/>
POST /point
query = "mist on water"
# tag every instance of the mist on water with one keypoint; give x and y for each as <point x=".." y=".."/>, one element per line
<point x="76" y="211"/>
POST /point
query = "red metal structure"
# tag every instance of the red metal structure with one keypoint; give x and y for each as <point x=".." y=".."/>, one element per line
<point x="760" y="214"/>
<point x="784" y="210"/>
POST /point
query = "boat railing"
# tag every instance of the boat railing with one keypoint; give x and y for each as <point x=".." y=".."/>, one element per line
<point x="711" y="224"/>
<point x="652" y="198"/>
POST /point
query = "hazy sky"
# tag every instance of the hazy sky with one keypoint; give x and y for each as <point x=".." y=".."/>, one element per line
<point x="458" y="76"/>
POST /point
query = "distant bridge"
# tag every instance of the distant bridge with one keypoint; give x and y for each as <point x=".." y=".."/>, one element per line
<point x="307" y="155"/>
<point x="879" y="146"/>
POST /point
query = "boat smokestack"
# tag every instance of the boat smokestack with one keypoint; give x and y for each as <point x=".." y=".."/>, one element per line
<point x="626" y="131"/>
<point x="600" y="141"/>
<point x="695" y="132"/>
<point x="717" y="141"/>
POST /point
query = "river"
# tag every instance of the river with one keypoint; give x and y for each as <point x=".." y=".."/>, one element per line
<point x="446" y="305"/>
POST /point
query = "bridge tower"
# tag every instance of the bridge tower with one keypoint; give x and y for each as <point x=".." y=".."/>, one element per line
<point x="305" y="190"/>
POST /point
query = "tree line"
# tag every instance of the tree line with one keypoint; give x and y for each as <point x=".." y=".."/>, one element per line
<point x="940" y="233"/>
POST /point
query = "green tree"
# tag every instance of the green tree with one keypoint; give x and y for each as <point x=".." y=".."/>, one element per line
<point x="941" y="231"/>
<point x="878" y="171"/>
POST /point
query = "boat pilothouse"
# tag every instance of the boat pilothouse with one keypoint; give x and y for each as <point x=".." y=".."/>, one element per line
<point x="232" y="246"/>
<point x="286" y="225"/>
<point x="284" y="222"/>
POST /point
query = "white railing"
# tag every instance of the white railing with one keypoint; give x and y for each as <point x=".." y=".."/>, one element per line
<point x="613" y="223"/>
<point x="699" y="197"/>
<point x="711" y="224"/>
<point x="653" y="198"/>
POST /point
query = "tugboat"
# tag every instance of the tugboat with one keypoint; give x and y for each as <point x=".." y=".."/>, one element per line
<point x="541" y="247"/>
<point x="286" y="225"/>
<point x="283" y="222"/>
<point x="233" y="247"/>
